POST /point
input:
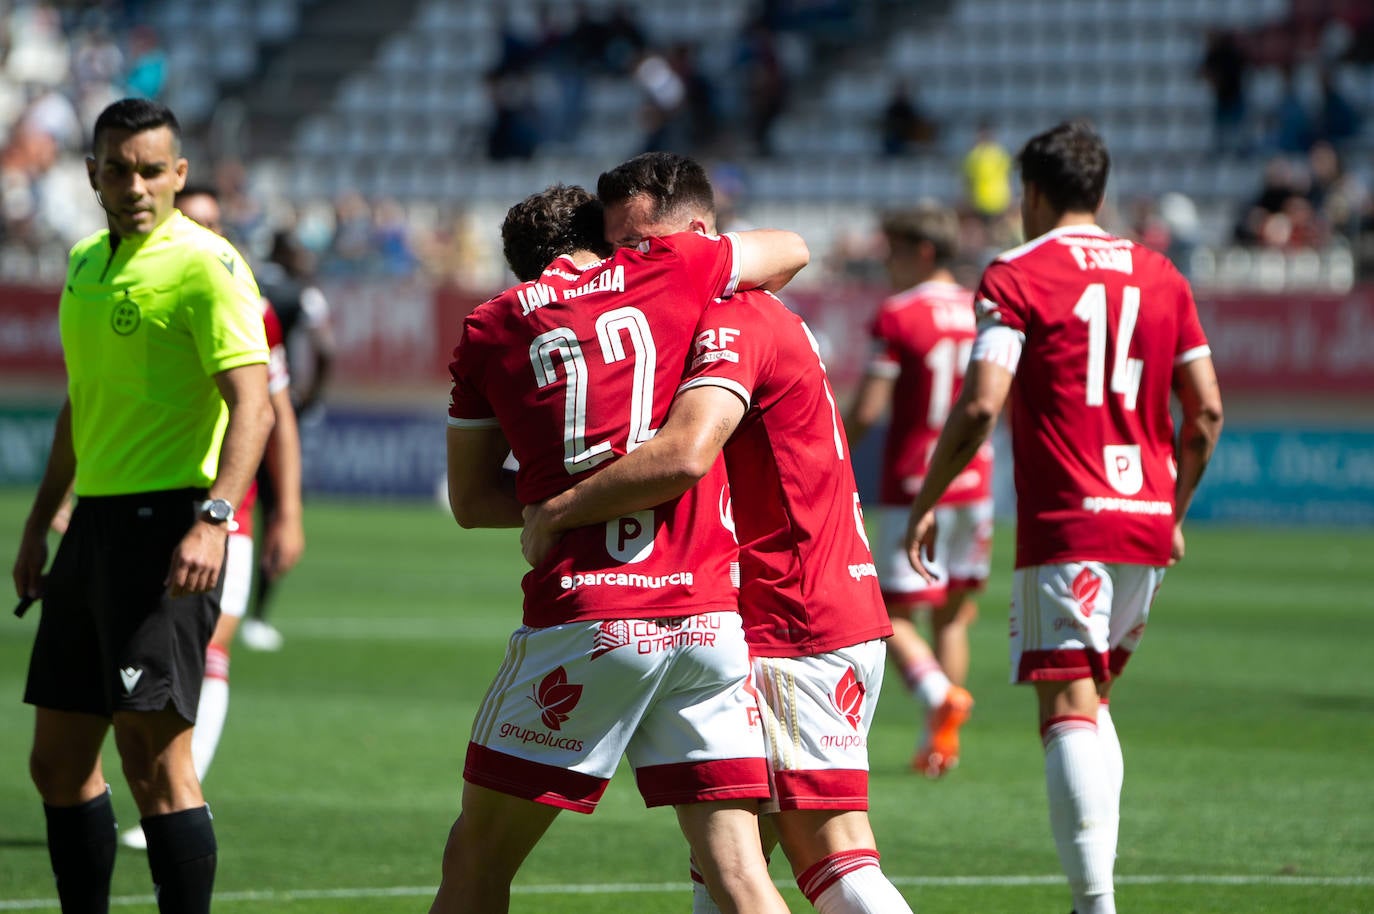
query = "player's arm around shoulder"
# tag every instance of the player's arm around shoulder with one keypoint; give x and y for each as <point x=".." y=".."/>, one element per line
<point x="683" y="451"/>
<point x="769" y="258"/>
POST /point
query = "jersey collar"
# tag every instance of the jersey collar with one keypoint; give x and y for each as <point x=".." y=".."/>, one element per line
<point x="1083" y="229"/>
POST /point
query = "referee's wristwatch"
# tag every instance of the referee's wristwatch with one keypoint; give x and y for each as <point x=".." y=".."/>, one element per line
<point x="217" y="511"/>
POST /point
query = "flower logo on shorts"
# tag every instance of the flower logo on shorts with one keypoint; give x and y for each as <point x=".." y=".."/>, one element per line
<point x="849" y="698"/>
<point x="556" y="698"/>
<point x="1085" y="589"/>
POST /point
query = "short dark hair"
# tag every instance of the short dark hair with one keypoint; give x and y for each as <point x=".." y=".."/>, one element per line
<point x="925" y="222"/>
<point x="198" y="190"/>
<point x="558" y="220"/>
<point x="673" y="181"/>
<point x="135" y="115"/>
<point x="1068" y="164"/>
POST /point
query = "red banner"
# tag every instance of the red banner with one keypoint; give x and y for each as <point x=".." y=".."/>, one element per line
<point x="1292" y="345"/>
<point x="30" y="343"/>
<point x="403" y="331"/>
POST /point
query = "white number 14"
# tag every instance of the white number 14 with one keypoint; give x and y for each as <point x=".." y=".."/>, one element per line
<point x="1092" y="308"/>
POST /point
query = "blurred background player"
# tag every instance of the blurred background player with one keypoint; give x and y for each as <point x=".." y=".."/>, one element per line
<point x="812" y="610"/>
<point x="632" y="643"/>
<point x="922" y="336"/>
<point x="283" y="538"/>
<point x="1090" y="332"/>
<point x="286" y="280"/>
<point x="166" y="419"/>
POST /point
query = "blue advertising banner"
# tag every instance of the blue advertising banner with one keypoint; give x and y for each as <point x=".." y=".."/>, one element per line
<point x="1259" y="475"/>
<point x="1286" y="476"/>
<point x="25" y="439"/>
<point x="356" y="452"/>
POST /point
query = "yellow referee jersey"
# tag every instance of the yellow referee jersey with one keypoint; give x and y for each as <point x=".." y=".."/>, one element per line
<point x="145" y="327"/>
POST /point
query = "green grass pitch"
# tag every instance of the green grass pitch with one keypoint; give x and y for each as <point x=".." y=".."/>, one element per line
<point x="1247" y="722"/>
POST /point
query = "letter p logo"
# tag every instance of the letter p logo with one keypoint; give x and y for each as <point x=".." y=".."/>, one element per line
<point x="630" y="539"/>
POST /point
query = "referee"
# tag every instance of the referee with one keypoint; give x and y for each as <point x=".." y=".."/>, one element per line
<point x="165" y="420"/>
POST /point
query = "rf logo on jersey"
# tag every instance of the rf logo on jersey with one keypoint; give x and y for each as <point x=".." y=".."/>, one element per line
<point x="126" y="316"/>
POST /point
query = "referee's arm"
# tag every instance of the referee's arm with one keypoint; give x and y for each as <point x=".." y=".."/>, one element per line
<point x="196" y="563"/>
<point x="57" y="479"/>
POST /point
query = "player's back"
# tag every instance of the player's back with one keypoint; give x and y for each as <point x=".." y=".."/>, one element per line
<point x="808" y="583"/>
<point x="924" y="336"/>
<point x="580" y="366"/>
<point x="1105" y="322"/>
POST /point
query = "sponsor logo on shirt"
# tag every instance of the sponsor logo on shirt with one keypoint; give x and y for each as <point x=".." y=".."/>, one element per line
<point x="1097" y="504"/>
<point x="626" y="579"/>
<point x="865" y="570"/>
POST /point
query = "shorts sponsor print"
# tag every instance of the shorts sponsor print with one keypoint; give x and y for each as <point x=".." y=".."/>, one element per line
<point x="816" y="714"/>
<point x="963" y="552"/>
<point x="672" y="695"/>
<point x="1078" y="620"/>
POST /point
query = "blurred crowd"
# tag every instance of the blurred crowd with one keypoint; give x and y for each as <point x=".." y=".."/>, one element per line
<point x="686" y="90"/>
<point x="60" y="63"/>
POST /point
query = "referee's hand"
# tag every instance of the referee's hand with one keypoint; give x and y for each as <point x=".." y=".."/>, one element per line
<point x="28" y="565"/>
<point x="197" y="561"/>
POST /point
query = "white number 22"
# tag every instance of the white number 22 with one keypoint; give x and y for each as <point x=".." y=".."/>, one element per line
<point x="1126" y="372"/>
<point x="559" y="347"/>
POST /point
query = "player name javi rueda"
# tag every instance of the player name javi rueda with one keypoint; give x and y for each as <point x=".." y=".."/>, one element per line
<point x="536" y="295"/>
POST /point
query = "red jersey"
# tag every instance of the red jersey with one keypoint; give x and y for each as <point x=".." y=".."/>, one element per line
<point x="1105" y="321"/>
<point x="576" y="368"/>
<point x="278" y="379"/>
<point x="922" y="338"/>
<point x="808" y="583"/>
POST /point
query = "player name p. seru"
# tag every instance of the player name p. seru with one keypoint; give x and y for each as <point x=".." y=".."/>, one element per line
<point x="537" y="295"/>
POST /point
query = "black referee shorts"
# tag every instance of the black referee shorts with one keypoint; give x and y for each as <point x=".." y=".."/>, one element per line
<point x="109" y="638"/>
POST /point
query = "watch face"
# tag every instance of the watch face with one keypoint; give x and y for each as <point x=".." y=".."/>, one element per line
<point x="217" y="509"/>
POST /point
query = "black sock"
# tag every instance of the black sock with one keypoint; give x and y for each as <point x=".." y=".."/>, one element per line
<point x="181" y="856"/>
<point x="81" y="846"/>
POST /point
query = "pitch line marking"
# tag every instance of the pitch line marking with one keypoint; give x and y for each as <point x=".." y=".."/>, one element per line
<point x="648" y="888"/>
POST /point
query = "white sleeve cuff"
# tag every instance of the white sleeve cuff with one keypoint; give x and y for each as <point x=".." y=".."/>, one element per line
<point x="1192" y="355"/>
<point x="732" y="239"/>
<point x="492" y="422"/>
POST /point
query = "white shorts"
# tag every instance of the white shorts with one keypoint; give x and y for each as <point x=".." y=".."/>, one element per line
<point x="1078" y="620"/>
<point x="238" y="576"/>
<point x="816" y="715"/>
<point x="963" y="552"/>
<point x="672" y="695"/>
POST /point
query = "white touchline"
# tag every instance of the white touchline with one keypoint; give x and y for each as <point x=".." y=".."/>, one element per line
<point x="650" y="888"/>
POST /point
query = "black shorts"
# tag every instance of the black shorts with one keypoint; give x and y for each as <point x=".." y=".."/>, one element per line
<point x="109" y="638"/>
